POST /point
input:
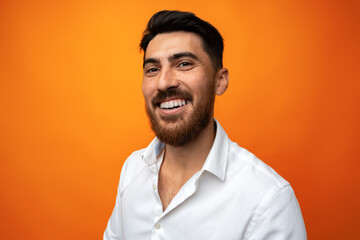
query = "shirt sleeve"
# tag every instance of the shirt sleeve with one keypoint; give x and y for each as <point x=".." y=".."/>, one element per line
<point x="114" y="229"/>
<point x="279" y="218"/>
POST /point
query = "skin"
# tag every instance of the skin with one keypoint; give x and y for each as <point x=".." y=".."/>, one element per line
<point x="177" y="60"/>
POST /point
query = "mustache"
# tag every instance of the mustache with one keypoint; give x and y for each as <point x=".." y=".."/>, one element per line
<point x="170" y="93"/>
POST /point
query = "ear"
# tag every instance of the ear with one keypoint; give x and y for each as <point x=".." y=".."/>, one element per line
<point x="222" y="81"/>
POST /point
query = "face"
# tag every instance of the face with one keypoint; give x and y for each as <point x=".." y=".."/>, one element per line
<point x="178" y="87"/>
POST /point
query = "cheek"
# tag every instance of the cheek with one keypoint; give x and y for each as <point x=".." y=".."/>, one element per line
<point x="147" y="90"/>
<point x="193" y="80"/>
<point x="201" y="84"/>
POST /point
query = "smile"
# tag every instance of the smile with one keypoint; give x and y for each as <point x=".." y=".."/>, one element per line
<point x="173" y="104"/>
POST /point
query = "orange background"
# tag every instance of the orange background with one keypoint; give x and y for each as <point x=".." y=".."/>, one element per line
<point x="71" y="107"/>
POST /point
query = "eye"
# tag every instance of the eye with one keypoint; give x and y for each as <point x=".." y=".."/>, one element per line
<point x="150" y="70"/>
<point x="184" y="64"/>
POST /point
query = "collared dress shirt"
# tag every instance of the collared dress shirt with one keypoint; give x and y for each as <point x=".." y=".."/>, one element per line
<point x="234" y="196"/>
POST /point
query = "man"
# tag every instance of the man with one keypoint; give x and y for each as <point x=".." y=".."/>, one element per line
<point x="192" y="181"/>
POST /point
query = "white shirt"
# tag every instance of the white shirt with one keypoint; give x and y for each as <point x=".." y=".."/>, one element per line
<point x="234" y="196"/>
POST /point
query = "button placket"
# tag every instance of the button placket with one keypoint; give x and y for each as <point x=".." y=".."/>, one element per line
<point x="158" y="207"/>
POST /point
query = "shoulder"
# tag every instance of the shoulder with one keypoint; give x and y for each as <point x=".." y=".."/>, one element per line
<point x="132" y="167"/>
<point x="270" y="197"/>
<point x="246" y="169"/>
<point x="132" y="163"/>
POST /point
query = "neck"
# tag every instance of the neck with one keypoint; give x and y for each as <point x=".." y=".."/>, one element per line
<point x="188" y="159"/>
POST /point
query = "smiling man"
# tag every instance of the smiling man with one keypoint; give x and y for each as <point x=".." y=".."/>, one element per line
<point x="192" y="181"/>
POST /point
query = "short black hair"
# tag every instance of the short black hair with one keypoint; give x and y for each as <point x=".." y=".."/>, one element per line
<point x="171" y="21"/>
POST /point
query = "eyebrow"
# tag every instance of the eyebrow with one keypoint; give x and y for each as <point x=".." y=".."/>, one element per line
<point x="150" y="60"/>
<point x="183" y="54"/>
<point x="171" y="58"/>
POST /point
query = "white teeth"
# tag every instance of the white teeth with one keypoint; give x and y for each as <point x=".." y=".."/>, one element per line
<point x="177" y="103"/>
<point x="173" y="103"/>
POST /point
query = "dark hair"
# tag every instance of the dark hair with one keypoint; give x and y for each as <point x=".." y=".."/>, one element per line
<point x="171" y="21"/>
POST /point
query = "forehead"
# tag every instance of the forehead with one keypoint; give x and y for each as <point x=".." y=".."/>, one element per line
<point x="167" y="44"/>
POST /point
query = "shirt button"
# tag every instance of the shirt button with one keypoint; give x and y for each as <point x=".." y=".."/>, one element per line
<point x="154" y="186"/>
<point x="157" y="226"/>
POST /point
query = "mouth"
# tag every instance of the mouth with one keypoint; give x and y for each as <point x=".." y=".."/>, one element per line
<point x="172" y="107"/>
<point x="173" y="104"/>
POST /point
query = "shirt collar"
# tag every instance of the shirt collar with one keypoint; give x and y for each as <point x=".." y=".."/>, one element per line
<point x="152" y="151"/>
<point x="215" y="162"/>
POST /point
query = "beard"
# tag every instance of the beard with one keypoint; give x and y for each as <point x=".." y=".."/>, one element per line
<point x="188" y="128"/>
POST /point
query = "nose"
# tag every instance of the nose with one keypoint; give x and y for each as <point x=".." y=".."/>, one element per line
<point x="167" y="79"/>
